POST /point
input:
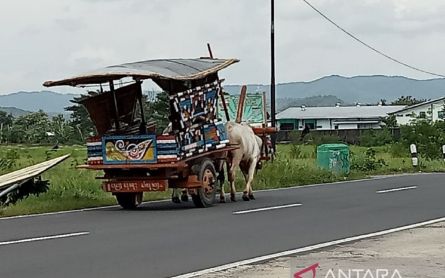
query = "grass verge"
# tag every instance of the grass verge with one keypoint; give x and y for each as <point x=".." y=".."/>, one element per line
<point x="71" y="188"/>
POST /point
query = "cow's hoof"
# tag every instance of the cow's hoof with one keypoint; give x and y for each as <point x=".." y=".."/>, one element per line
<point x="184" y="197"/>
<point x="246" y="198"/>
<point x="251" y="197"/>
<point x="232" y="197"/>
<point x="176" y="200"/>
<point x="222" y="199"/>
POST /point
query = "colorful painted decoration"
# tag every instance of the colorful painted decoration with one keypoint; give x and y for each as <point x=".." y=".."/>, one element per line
<point x="253" y="108"/>
<point x="129" y="149"/>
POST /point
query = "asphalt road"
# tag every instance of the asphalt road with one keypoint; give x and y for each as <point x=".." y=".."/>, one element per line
<point x="162" y="239"/>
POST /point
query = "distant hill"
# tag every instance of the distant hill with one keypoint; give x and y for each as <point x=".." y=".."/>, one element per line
<point x="284" y="103"/>
<point x="15" y="112"/>
<point x="364" y="89"/>
<point x="325" y="91"/>
<point x="47" y="101"/>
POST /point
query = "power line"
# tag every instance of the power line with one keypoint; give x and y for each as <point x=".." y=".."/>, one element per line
<point x="369" y="46"/>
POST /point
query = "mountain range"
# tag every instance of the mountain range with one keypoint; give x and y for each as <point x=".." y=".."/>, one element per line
<point x="34" y="101"/>
<point x="15" y="112"/>
<point x="363" y="89"/>
<point x="326" y="91"/>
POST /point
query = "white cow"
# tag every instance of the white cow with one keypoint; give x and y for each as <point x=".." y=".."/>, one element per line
<point x="246" y="157"/>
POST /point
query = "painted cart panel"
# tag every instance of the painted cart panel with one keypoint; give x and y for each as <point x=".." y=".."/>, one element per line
<point x="253" y="108"/>
<point x="124" y="149"/>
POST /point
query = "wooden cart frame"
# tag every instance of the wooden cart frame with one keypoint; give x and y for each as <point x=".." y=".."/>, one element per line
<point x="200" y="174"/>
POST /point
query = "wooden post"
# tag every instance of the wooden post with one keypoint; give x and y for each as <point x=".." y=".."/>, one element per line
<point x="141" y="107"/>
<point x="240" y="109"/>
<point x="265" y="150"/>
<point x="116" y="111"/>
<point x="272" y="72"/>
<point x="221" y="94"/>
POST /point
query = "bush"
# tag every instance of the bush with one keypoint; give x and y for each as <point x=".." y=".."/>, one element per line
<point x="326" y="139"/>
<point x="295" y="151"/>
<point x="399" y="150"/>
<point x="428" y="137"/>
<point x="368" y="162"/>
<point x="9" y="161"/>
<point x="374" y="138"/>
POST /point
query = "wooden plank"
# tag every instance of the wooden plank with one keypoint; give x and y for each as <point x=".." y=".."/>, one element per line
<point x="264" y="130"/>
<point x="179" y="164"/>
<point x="29" y="172"/>
<point x="192" y="181"/>
<point x="214" y="153"/>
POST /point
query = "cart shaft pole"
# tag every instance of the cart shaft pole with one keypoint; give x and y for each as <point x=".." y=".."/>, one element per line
<point x="221" y="93"/>
<point x="242" y="99"/>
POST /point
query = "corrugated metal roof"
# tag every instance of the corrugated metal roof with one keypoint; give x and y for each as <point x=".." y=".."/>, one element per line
<point x="341" y="112"/>
<point x="175" y="69"/>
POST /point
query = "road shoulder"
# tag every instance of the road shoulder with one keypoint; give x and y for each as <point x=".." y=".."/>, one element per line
<point x="417" y="252"/>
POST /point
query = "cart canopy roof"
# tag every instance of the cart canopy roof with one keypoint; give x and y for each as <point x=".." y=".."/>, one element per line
<point x="163" y="69"/>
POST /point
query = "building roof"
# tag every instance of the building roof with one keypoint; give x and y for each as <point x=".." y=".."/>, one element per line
<point x="173" y="69"/>
<point x="338" y="112"/>
<point x="419" y="104"/>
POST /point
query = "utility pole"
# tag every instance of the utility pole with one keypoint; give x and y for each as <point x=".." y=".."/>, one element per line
<point x="272" y="73"/>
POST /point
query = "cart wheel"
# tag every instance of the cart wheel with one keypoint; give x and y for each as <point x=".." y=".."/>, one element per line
<point x="205" y="195"/>
<point x="129" y="200"/>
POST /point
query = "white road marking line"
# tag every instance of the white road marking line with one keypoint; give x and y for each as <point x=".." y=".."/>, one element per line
<point x="75" y="210"/>
<point x="305" y="249"/>
<point x="396" y="189"/>
<point x="43" y="238"/>
<point x="372" y="178"/>
<point x="266" y="208"/>
<point x="263" y="190"/>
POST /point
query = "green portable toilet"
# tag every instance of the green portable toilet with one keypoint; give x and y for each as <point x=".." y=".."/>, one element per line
<point x="333" y="157"/>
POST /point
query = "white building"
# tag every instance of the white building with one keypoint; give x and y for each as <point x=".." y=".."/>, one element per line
<point x="431" y="110"/>
<point x="334" y="118"/>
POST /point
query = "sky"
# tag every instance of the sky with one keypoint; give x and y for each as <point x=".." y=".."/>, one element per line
<point x="52" y="39"/>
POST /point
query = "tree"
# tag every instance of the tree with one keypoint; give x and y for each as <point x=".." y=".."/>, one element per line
<point x="5" y="118"/>
<point x="5" y="124"/>
<point x="30" y="128"/>
<point x="80" y="123"/>
<point x="63" y="131"/>
<point x="407" y="100"/>
<point x="390" y="121"/>
<point x="158" y="110"/>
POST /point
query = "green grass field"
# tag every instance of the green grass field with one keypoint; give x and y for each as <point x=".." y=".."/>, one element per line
<point x="71" y="188"/>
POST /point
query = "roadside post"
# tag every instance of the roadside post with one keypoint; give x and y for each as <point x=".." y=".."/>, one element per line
<point x="443" y="152"/>
<point x="414" y="158"/>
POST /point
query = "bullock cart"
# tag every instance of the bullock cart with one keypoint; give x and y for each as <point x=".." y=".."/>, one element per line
<point x="134" y="156"/>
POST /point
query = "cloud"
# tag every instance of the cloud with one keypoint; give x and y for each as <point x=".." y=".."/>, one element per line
<point x="52" y="39"/>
